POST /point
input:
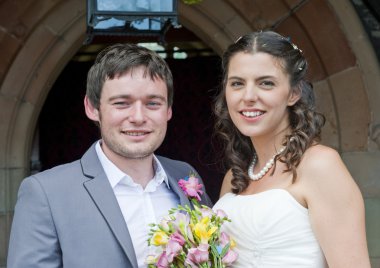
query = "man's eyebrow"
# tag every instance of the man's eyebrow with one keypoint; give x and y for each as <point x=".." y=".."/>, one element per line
<point x="154" y="96"/>
<point x="122" y="96"/>
<point x="127" y="96"/>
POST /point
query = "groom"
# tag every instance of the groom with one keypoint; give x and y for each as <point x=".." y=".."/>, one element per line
<point x="95" y="212"/>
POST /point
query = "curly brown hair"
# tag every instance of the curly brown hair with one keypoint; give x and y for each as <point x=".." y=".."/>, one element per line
<point x="305" y="122"/>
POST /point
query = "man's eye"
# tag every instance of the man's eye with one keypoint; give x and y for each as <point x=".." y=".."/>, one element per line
<point x="120" y="103"/>
<point x="153" y="103"/>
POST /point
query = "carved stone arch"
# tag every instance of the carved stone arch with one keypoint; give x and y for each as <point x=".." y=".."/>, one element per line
<point x="217" y="27"/>
<point x="60" y="33"/>
<point x="367" y="62"/>
<point x="37" y="65"/>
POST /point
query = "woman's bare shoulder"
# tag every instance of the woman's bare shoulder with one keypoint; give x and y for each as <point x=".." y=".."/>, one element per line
<point x="226" y="185"/>
<point x="318" y="158"/>
<point x="322" y="168"/>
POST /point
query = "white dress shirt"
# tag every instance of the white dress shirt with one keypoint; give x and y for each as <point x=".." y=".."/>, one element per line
<point x="139" y="206"/>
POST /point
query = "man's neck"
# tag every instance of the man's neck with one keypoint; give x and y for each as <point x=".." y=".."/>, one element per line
<point x="140" y="170"/>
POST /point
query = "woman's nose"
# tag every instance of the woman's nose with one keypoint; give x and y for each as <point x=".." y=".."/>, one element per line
<point x="250" y="94"/>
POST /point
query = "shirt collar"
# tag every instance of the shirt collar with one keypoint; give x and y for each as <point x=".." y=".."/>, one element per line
<point x="115" y="175"/>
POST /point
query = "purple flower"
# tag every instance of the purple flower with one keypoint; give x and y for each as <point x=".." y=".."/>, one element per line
<point x="224" y="239"/>
<point x="163" y="261"/>
<point x="173" y="248"/>
<point x="206" y="212"/>
<point x="197" y="255"/>
<point x="229" y="258"/>
<point x="221" y="214"/>
<point x="180" y="219"/>
<point x="177" y="237"/>
<point x="191" y="187"/>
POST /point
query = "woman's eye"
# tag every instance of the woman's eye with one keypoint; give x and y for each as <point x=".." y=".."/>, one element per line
<point x="267" y="83"/>
<point x="236" y="84"/>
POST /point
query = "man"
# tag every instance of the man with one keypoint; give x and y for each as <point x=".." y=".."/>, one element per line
<point x="95" y="212"/>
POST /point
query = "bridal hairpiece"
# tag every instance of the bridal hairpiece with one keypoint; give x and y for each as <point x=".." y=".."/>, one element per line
<point x="289" y="39"/>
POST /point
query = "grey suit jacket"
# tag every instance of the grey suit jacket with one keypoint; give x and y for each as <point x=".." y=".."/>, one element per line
<point x="68" y="216"/>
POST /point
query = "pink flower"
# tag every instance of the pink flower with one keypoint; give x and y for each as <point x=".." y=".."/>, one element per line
<point x="191" y="187"/>
<point x="180" y="219"/>
<point x="172" y="250"/>
<point x="221" y="214"/>
<point x="163" y="261"/>
<point x="197" y="255"/>
<point x="206" y="212"/>
<point x="174" y="246"/>
<point x="230" y="257"/>
<point x="224" y="239"/>
<point x="177" y="237"/>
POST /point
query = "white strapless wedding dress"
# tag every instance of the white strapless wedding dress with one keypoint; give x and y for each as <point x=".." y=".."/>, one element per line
<point x="271" y="229"/>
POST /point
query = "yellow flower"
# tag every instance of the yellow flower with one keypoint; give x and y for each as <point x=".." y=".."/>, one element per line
<point x="232" y="243"/>
<point x="151" y="259"/>
<point x="159" y="238"/>
<point x="203" y="230"/>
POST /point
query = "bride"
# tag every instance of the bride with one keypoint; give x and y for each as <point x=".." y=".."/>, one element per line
<point x="291" y="200"/>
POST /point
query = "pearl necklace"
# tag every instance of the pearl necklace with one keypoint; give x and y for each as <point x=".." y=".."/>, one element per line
<point x="264" y="170"/>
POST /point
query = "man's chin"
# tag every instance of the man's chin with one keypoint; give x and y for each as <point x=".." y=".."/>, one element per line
<point x="136" y="154"/>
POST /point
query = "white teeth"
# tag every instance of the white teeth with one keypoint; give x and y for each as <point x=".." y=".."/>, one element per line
<point x="252" y="114"/>
<point x="134" y="133"/>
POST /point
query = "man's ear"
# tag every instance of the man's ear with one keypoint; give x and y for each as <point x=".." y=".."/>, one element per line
<point x="91" y="112"/>
<point x="295" y="95"/>
<point x="170" y="113"/>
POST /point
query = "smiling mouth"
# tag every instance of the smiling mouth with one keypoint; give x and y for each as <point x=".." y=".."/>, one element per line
<point x="135" y="133"/>
<point x="252" y="114"/>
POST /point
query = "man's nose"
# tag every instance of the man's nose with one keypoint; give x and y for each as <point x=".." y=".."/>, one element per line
<point x="137" y="114"/>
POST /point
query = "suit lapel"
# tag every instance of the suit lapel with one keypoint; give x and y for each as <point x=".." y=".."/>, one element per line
<point x="103" y="196"/>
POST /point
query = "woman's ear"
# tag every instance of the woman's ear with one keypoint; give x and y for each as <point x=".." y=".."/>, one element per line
<point x="91" y="112"/>
<point x="294" y="96"/>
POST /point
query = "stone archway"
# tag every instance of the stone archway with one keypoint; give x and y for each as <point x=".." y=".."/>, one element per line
<point x="31" y="74"/>
<point x="60" y="33"/>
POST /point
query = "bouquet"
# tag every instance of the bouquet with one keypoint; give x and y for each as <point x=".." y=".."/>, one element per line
<point x="191" y="238"/>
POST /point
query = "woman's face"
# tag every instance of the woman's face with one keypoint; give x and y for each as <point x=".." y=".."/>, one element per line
<point x="258" y="94"/>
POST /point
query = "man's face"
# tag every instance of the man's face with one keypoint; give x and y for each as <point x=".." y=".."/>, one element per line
<point x="133" y="115"/>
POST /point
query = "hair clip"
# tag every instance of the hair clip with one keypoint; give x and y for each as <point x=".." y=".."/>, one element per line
<point x="293" y="45"/>
<point x="237" y="40"/>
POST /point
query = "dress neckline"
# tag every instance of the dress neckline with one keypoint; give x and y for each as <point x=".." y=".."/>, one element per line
<point x="270" y="191"/>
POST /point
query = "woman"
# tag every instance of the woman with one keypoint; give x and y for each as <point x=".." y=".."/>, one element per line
<point x="291" y="200"/>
